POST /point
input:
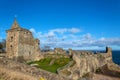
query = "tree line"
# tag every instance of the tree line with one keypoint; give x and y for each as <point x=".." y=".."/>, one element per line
<point x="2" y="45"/>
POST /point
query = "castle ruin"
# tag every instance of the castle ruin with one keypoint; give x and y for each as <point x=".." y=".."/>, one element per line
<point x="84" y="64"/>
<point x="20" y="42"/>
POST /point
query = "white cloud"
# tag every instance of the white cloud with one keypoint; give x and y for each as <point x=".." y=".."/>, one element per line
<point x="54" y="32"/>
<point x="51" y="34"/>
<point x="64" y="30"/>
<point x="74" y="30"/>
<point x="59" y="38"/>
<point x="87" y="36"/>
<point x="61" y="31"/>
<point x="32" y="30"/>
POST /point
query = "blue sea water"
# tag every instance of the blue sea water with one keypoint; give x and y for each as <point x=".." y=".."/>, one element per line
<point x="116" y="57"/>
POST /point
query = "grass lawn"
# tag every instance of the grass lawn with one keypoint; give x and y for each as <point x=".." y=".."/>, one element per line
<point x="45" y="63"/>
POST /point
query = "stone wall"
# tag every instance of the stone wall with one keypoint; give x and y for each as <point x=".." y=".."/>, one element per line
<point x="20" y="42"/>
<point x="85" y="62"/>
<point x="28" y="46"/>
<point x="11" y="43"/>
<point x="2" y="55"/>
<point x="59" y="51"/>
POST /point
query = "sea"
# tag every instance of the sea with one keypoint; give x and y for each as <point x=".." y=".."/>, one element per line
<point x="116" y="57"/>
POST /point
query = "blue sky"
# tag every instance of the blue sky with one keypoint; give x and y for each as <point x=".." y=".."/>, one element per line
<point x="77" y="24"/>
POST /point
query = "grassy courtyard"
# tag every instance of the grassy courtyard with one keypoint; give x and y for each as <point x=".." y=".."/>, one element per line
<point x="51" y="64"/>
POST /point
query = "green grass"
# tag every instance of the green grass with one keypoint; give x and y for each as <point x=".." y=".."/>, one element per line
<point x="45" y="63"/>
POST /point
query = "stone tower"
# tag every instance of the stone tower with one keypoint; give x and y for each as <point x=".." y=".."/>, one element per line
<point x="20" y="42"/>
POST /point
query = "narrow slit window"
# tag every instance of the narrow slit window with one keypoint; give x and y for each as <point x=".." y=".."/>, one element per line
<point x="11" y="39"/>
<point x="11" y="46"/>
<point x="29" y="53"/>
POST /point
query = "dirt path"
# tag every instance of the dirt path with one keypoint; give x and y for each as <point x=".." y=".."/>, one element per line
<point x="104" y="77"/>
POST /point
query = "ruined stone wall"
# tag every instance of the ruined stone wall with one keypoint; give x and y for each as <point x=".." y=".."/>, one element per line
<point x="85" y="62"/>
<point x="37" y="53"/>
<point x="12" y="43"/>
<point x="2" y="55"/>
<point x="26" y="37"/>
<point x="20" y="42"/>
<point x="108" y="55"/>
<point x="26" y="51"/>
<point x="59" y="51"/>
<point x="26" y="44"/>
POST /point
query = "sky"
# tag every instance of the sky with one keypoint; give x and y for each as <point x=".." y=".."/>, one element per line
<point x="76" y="24"/>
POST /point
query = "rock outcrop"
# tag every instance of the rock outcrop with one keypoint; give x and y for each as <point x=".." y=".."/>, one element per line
<point x="31" y="73"/>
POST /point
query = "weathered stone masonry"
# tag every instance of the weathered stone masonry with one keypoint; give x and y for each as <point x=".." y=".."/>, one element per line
<point x="20" y="42"/>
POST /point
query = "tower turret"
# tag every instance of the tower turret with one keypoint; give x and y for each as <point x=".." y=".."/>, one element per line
<point x="15" y="24"/>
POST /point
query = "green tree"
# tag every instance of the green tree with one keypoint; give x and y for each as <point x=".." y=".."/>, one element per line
<point x="3" y="45"/>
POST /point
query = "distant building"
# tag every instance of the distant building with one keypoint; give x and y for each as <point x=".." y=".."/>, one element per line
<point x="20" y="42"/>
<point x="59" y="51"/>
